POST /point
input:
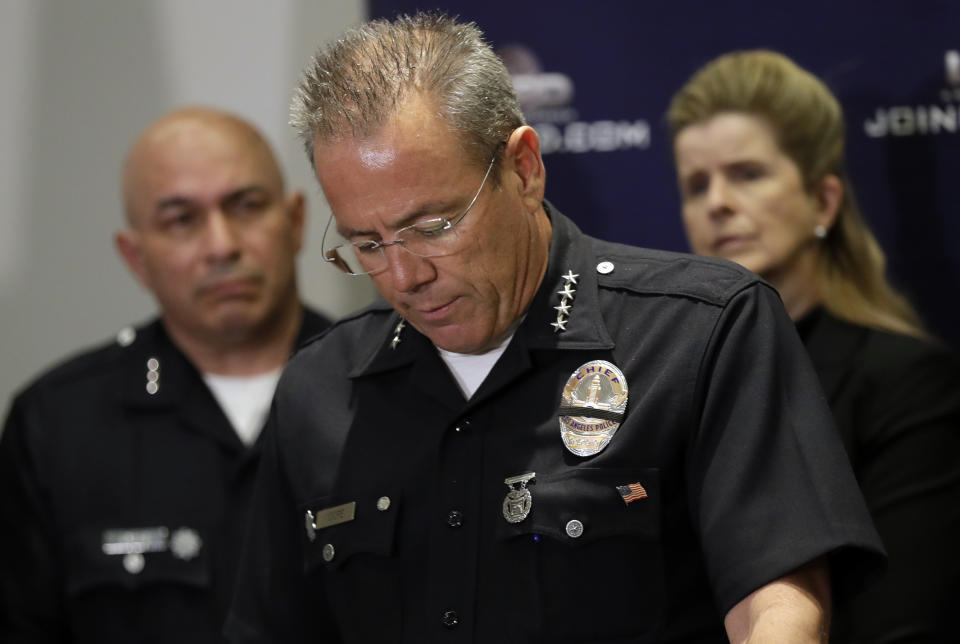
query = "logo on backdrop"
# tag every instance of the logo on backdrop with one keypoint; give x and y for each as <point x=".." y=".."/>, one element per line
<point x="922" y="120"/>
<point x="547" y="102"/>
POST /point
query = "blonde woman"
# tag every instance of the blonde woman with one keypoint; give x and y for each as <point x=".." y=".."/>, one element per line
<point x="758" y="146"/>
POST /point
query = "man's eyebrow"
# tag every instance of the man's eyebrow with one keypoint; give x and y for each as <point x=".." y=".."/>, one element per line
<point x="434" y="208"/>
<point x="253" y="187"/>
<point x="245" y="191"/>
<point x="179" y="201"/>
<point x="173" y="202"/>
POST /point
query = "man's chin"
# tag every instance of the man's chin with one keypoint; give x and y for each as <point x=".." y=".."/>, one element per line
<point x="238" y="322"/>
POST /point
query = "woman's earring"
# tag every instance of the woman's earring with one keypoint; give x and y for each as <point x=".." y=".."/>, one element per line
<point x="820" y="231"/>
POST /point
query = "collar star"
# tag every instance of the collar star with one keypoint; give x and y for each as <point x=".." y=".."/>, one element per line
<point x="566" y="298"/>
<point x="396" y="334"/>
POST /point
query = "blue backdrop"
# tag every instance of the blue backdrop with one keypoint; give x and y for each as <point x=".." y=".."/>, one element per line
<point x="596" y="78"/>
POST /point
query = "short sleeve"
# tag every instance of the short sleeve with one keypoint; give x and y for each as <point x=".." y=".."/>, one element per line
<point x="770" y="484"/>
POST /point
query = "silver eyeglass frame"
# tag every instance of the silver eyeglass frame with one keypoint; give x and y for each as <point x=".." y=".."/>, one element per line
<point x="332" y="257"/>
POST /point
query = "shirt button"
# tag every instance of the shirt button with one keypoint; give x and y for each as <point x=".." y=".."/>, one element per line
<point x="133" y="563"/>
<point x="328" y="552"/>
<point x="605" y="268"/>
<point x="449" y="618"/>
<point x="574" y="528"/>
<point x="455" y="518"/>
<point x="383" y="503"/>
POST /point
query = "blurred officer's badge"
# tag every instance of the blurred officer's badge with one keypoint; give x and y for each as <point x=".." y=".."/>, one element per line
<point x="592" y="407"/>
<point x="517" y="503"/>
<point x="185" y="543"/>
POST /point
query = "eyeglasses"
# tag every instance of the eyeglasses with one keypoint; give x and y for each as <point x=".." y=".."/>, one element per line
<point x="434" y="237"/>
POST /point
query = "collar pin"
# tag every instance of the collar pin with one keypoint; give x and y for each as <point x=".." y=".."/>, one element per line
<point x="566" y="298"/>
<point x="153" y="376"/>
<point x="396" y="333"/>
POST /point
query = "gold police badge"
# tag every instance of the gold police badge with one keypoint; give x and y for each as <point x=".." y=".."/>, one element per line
<point x="592" y="407"/>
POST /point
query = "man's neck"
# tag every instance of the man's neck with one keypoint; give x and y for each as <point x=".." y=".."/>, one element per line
<point x="539" y="256"/>
<point x="255" y="353"/>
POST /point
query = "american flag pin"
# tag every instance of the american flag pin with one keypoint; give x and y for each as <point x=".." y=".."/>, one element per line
<point x="631" y="492"/>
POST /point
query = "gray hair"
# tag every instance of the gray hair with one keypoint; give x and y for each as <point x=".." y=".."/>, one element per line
<point x="353" y="86"/>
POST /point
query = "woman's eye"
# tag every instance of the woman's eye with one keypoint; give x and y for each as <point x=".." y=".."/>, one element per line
<point x="748" y="172"/>
<point x="696" y="185"/>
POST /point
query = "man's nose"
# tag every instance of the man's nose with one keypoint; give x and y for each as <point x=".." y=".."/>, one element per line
<point x="220" y="237"/>
<point x="407" y="271"/>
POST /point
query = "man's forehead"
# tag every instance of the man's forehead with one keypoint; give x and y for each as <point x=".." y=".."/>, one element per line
<point x="181" y="140"/>
<point x="188" y="157"/>
<point x="416" y="126"/>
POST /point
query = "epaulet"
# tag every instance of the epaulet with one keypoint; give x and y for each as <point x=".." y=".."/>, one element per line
<point x="656" y="272"/>
<point x="377" y="309"/>
<point x="95" y="360"/>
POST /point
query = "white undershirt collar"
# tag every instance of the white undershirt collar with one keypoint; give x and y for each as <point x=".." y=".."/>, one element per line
<point x="245" y="400"/>
<point x="470" y="370"/>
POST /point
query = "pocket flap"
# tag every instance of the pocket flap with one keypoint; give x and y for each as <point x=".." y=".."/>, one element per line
<point x="587" y="504"/>
<point x="135" y="557"/>
<point x="348" y="526"/>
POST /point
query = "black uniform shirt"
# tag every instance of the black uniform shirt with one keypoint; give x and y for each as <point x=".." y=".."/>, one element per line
<point x="123" y="496"/>
<point x="725" y="430"/>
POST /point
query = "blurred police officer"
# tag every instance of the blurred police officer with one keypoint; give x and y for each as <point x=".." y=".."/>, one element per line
<point x="538" y="436"/>
<point x="126" y="472"/>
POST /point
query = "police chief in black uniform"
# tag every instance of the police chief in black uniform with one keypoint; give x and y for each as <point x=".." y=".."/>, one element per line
<point x="538" y="436"/>
<point x="124" y="488"/>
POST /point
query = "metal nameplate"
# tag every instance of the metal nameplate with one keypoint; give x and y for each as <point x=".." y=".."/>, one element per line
<point x="134" y="541"/>
<point x="335" y="515"/>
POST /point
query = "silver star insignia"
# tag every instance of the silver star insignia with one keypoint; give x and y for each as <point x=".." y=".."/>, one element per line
<point x="559" y="325"/>
<point x="564" y="308"/>
<point x="567" y="291"/>
<point x="571" y="277"/>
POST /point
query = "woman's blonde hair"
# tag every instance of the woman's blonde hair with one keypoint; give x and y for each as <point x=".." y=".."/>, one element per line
<point x="807" y="121"/>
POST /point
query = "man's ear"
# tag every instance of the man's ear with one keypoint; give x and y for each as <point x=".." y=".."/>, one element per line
<point x="829" y="198"/>
<point x="522" y="157"/>
<point x="297" y="214"/>
<point x="127" y="242"/>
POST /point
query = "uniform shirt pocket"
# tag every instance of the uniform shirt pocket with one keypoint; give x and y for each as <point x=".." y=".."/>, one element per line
<point x="356" y="558"/>
<point x="124" y="582"/>
<point x="597" y="558"/>
<point x="135" y="557"/>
